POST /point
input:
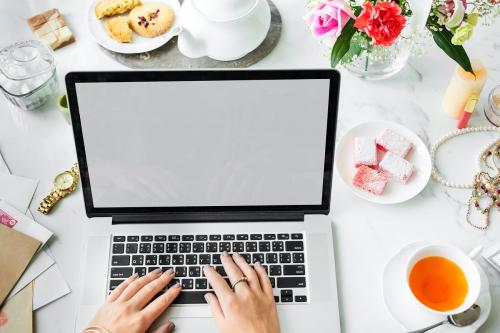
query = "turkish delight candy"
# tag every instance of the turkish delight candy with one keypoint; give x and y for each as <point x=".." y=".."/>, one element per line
<point x="370" y="180"/>
<point x="397" y="167"/>
<point x="365" y="151"/>
<point x="391" y="141"/>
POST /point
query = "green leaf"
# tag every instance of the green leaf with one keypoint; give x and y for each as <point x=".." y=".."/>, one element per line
<point x="342" y="43"/>
<point x="455" y="52"/>
<point x="355" y="48"/>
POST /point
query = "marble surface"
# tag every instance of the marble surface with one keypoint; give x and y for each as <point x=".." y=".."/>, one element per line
<point x="39" y="145"/>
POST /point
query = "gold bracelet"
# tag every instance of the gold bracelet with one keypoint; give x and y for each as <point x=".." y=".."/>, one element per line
<point x="96" y="329"/>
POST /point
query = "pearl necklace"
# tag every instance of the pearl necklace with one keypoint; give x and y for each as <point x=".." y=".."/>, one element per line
<point x="435" y="173"/>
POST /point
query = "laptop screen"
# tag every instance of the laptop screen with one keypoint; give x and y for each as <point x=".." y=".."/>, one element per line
<point x="205" y="143"/>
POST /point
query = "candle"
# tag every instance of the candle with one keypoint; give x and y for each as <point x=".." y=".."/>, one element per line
<point x="462" y="85"/>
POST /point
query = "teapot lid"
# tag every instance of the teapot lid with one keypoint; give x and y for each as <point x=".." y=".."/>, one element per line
<point x="224" y="10"/>
<point x="25" y="60"/>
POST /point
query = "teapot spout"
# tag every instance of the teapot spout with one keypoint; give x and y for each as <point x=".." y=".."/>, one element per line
<point x="191" y="46"/>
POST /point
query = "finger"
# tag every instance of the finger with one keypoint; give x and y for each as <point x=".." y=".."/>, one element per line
<point x="253" y="279"/>
<point x="121" y="287"/>
<point x="154" y="309"/>
<point x="168" y="327"/>
<point x="137" y="285"/>
<point x="215" y="307"/>
<point x="265" y="283"/>
<point x="220" y="286"/>
<point x="146" y="294"/>
<point x="233" y="271"/>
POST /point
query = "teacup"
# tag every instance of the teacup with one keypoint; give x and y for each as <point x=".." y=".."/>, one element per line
<point x="442" y="279"/>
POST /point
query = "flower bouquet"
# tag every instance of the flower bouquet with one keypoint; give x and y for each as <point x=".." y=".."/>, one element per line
<point x="382" y="30"/>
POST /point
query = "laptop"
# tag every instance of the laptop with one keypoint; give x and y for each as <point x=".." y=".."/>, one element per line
<point x="178" y="166"/>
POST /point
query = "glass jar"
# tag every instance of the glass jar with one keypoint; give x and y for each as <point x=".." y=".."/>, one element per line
<point x="27" y="74"/>
<point x="492" y="108"/>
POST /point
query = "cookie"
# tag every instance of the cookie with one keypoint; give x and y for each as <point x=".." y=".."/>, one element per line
<point x="119" y="30"/>
<point x="152" y="19"/>
<point x="114" y="7"/>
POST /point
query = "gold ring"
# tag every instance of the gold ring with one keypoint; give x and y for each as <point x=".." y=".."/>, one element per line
<point x="242" y="279"/>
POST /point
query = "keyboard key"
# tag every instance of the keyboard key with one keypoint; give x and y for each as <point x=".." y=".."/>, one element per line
<point x="294" y="270"/>
<point x="118" y="248"/>
<point x="171" y="248"/>
<point x="191" y="297"/>
<point x="269" y="236"/>
<point x="216" y="259"/>
<point x="187" y="238"/>
<point x="145" y="248"/>
<point x="220" y="270"/>
<point x="164" y="259"/>
<point x="283" y="236"/>
<point x="255" y="236"/>
<point x="184" y="247"/>
<point x="121" y="272"/>
<point x="238" y="247"/>
<point x="285" y="258"/>
<point x="141" y="271"/>
<point x="297" y="236"/>
<point x="178" y="259"/>
<point x="264" y="246"/>
<point x="180" y="271"/>
<point x="201" y="238"/>
<point x="160" y="238"/>
<point x="258" y="257"/>
<point x="300" y="299"/>
<point x="247" y="256"/>
<point x="118" y="239"/>
<point x="194" y="271"/>
<point x="286" y="292"/>
<point x="271" y="258"/>
<point x="275" y="270"/>
<point x="298" y="258"/>
<point x="120" y="260"/>
<point x="215" y="237"/>
<point x="174" y="238"/>
<point x="187" y="283"/>
<point x="114" y="283"/>
<point x="138" y="260"/>
<point x="198" y="247"/>
<point x="224" y="246"/>
<point x="132" y="238"/>
<point x="204" y="259"/>
<point x="273" y="282"/>
<point x="242" y="237"/>
<point x="211" y="247"/>
<point x="286" y="299"/>
<point x="294" y="246"/>
<point x="191" y="259"/>
<point x="228" y="237"/>
<point x="151" y="259"/>
<point x="277" y="246"/>
<point x="158" y="247"/>
<point x="251" y="247"/>
<point x="276" y="299"/>
<point x="131" y="248"/>
<point x="291" y="282"/>
<point x="146" y="238"/>
<point x="200" y="284"/>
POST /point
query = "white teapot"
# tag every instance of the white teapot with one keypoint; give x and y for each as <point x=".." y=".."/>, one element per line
<point x="222" y="29"/>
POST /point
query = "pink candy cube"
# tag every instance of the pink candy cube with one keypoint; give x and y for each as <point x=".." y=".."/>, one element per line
<point x="397" y="167"/>
<point x="370" y="180"/>
<point x="393" y="142"/>
<point x="365" y="152"/>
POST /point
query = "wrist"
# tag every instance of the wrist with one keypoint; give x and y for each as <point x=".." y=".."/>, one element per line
<point x="95" y="329"/>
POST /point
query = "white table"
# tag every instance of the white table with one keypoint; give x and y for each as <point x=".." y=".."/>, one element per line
<point x="39" y="145"/>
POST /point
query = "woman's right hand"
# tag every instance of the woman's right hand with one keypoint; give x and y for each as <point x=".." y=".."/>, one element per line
<point x="250" y="308"/>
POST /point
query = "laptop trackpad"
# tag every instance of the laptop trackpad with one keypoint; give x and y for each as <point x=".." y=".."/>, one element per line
<point x="189" y="311"/>
<point x="320" y="276"/>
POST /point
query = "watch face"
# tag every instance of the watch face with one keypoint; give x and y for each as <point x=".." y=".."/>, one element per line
<point x="64" y="181"/>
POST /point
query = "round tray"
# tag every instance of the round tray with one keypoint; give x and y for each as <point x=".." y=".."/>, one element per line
<point x="169" y="56"/>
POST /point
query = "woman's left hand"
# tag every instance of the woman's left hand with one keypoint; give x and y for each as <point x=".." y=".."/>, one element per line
<point x="129" y="308"/>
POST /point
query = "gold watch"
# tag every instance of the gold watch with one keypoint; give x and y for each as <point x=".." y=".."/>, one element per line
<point x="64" y="184"/>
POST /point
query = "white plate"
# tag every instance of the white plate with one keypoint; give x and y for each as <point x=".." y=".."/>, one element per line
<point x="409" y="313"/>
<point x="139" y="44"/>
<point x="394" y="192"/>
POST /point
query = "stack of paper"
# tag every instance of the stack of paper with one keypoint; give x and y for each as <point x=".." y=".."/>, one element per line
<point x="29" y="277"/>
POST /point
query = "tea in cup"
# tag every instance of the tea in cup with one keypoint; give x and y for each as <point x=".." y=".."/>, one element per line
<point x="443" y="279"/>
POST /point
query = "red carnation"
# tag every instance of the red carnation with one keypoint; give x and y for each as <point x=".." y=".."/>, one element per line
<point x="382" y="22"/>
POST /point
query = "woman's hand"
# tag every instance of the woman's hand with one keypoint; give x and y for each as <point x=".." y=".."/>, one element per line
<point x="128" y="309"/>
<point x="250" y="308"/>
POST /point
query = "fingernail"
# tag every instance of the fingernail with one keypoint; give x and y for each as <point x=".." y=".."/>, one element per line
<point x="225" y="254"/>
<point x="168" y="272"/>
<point x="170" y="327"/>
<point x="178" y="285"/>
<point x="157" y="271"/>
<point x="236" y="254"/>
<point x="134" y="276"/>
<point x="207" y="298"/>
<point x="257" y="263"/>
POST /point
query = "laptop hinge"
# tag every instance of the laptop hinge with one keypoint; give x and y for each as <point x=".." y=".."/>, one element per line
<point x="208" y="217"/>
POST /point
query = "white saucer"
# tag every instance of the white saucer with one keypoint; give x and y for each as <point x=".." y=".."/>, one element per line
<point x="394" y="192"/>
<point x="139" y="44"/>
<point x="411" y="315"/>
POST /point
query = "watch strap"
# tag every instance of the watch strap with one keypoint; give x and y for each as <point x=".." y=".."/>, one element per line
<point x="50" y="201"/>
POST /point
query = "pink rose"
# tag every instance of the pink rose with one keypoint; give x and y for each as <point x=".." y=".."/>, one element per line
<point x="329" y="17"/>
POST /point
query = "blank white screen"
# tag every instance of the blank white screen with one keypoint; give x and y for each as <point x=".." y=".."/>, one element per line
<point x="205" y="143"/>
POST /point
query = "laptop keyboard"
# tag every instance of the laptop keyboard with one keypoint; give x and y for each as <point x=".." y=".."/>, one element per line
<point x="281" y="254"/>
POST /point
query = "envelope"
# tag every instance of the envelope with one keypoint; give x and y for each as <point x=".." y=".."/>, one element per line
<point x="48" y="287"/>
<point x="3" y="165"/>
<point x="17" y="191"/>
<point x="11" y="217"/>
<point x="16" y="252"/>
<point x="16" y="316"/>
